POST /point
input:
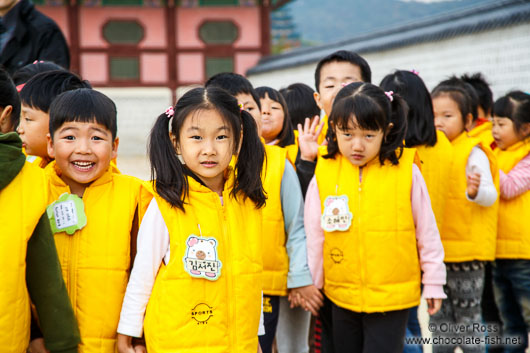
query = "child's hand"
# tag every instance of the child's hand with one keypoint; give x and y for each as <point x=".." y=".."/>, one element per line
<point x="308" y="138"/>
<point x="125" y="344"/>
<point x="259" y="349"/>
<point x="433" y="305"/>
<point x="309" y="297"/>
<point x="37" y="346"/>
<point x="473" y="182"/>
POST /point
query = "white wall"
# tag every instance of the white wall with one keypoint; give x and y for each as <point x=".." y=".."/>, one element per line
<point x="502" y="55"/>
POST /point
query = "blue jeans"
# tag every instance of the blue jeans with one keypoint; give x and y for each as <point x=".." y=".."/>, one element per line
<point x="511" y="284"/>
<point x="413" y="330"/>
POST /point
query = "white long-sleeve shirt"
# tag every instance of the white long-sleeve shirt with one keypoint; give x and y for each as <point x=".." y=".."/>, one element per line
<point x="153" y="248"/>
<point x="478" y="162"/>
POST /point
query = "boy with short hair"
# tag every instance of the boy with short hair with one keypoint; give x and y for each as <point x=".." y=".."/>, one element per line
<point x="36" y="97"/>
<point x="331" y="73"/>
<point x="29" y="266"/>
<point x="94" y="212"/>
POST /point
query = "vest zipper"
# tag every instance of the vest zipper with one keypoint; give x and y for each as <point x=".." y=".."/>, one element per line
<point x="361" y="240"/>
<point x="229" y="285"/>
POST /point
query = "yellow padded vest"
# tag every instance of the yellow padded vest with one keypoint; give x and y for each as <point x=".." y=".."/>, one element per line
<point x="96" y="259"/>
<point x="483" y="133"/>
<point x="373" y="266"/>
<point x="436" y="169"/>
<point x="187" y="314"/>
<point x="322" y="136"/>
<point x="513" y="239"/>
<point x="275" y="259"/>
<point x="22" y="203"/>
<point x="469" y="230"/>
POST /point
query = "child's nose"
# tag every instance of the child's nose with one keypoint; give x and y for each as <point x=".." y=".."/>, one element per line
<point x="82" y="146"/>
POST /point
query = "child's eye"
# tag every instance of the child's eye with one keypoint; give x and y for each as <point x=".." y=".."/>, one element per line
<point x="329" y="86"/>
<point x="369" y="136"/>
<point x="69" y="137"/>
<point x="249" y="109"/>
<point x="97" y="138"/>
<point x="196" y="137"/>
<point x="222" y="137"/>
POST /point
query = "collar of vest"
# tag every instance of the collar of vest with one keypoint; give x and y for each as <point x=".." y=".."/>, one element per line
<point x="196" y="185"/>
<point x="460" y="138"/>
<point x="54" y="173"/>
<point x="521" y="144"/>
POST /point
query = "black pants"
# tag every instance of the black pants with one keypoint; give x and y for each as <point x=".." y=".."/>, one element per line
<point x="369" y="333"/>
<point x="271" y="308"/>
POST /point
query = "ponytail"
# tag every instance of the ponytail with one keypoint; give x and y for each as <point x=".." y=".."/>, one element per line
<point x="392" y="146"/>
<point x="250" y="163"/>
<point x="167" y="173"/>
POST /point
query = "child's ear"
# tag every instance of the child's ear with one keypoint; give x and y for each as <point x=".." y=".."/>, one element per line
<point x="51" y="149"/>
<point x="316" y="96"/>
<point x="115" y="144"/>
<point x="173" y="139"/>
<point x="525" y="130"/>
<point x="5" y="119"/>
<point x="468" y="122"/>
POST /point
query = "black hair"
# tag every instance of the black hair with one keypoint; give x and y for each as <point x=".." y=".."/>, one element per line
<point x="9" y="96"/>
<point x="286" y="135"/>
<point x="514" y="106"/>
<point x="373" y="110"/>
<point x="40" y="91"/>
<point x="482" y="88"/>
<point x="83" y="105"/>
<point x="458" y="94"/>
<point x="25" y="73"/>
<point x="471" y="93"/>
<point x="169" y="174"/>
<point x="344" y="56"/>
<point x="233" y="83"/>
<point x="420" y="119"/>
<point x="300" y="103"/>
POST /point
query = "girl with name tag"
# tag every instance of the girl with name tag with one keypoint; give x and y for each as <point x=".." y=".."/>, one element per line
<point x="369" y="222"/>
<point x="197" y="276"/>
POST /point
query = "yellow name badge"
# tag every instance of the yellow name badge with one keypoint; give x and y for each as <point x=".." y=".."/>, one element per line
<point x="336" y="215"/>
<point x="67" y="214"/>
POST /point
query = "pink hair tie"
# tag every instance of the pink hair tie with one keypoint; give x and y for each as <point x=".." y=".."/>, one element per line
<point x="344" y="84"/>
<point x="170" y="112"/>
<point x="390" y="95"/>
<point x="38" y="62"/>
<point x="417" y="73"/>
<point x="240" y="105"/>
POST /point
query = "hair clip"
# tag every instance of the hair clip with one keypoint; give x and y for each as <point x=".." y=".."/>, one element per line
<point x="344" y="84"/>
<point x="170" y="112"/>
<point x="38" y="61"/>
<point x="390" y="95"/>
<point x="240" y="105"/>
<point x="415" y="72"/>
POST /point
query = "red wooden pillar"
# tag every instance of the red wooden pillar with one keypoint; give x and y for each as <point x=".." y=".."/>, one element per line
<point x="171" y="21"/>
<point x="265" y="12"/>
<point x="73" y="28"/>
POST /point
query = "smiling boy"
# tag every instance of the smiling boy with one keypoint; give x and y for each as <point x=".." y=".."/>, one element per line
<point x="94" y="212"/>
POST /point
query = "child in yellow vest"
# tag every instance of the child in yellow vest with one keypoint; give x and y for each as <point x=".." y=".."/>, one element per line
<point x="36" y="97"/>
<point x="482" y="125"/>
<point x="286" y="275"/>
<point x="197" y="275"/>
<point x="434" y="149"/>
<point x="276" y="127"/>
<point x="470" y="220"/>
<point x="511" y="271"/>
<point x="371" y="230"/>
<point x="94" y="212"/>
<point x="29" y="266"/>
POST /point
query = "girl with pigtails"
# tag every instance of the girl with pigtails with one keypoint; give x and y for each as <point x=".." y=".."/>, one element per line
<point x="196" y="281"/>
<point x="371" y="231"/>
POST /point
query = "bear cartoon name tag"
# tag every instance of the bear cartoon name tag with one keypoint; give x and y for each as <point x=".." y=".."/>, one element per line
<point x="67" y="214"/>
<point x="201" y="260"/>
<point x="337" y="215"/>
